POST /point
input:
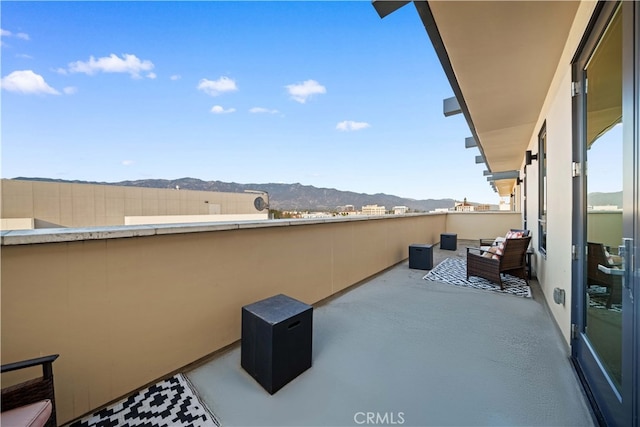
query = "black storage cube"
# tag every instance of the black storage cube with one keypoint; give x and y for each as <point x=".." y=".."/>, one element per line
<point x="449" y="241"/>
<point x="421" y="256"/>
<point x="276" y="340"/>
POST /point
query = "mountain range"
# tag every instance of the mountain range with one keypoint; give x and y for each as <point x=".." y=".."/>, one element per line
<point x="290" y="197"/>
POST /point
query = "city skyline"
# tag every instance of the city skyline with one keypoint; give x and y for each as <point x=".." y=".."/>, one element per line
<point x="319" y="93"/>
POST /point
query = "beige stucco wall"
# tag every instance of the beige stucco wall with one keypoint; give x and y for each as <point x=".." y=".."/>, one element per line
<point x="122" y="312"/>
<point x="605" y="227"/>
<point x="482" y="225"/>
<point x="554" y="269"/>
<point x="55" y="204"/>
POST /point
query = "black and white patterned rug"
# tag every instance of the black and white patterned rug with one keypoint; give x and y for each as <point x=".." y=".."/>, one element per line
<point x="454" y="272"/>
<point x="169" y="403"/>
<point x="598" y="296"/>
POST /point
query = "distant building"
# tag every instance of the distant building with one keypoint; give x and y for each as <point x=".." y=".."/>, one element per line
<point x="608" y="208"/>
<point x="373" y="210"/>
<point x="505" y="205"/>
<point x="346" y="208"/>
<point x="40" y="204"/>
<point x="310" y="215"/>
<point x="400" y="210"/>
<point x="465" y="206"/>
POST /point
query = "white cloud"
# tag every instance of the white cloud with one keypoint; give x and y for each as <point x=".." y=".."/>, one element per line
<point x="218" y="109"/>
<point x="27" y="82"/>
<point x="113" y="64"/>
<point x="7" y="33"/>
<point x="175" y="77"/>
<point x="127" y="162"/>
<point x="70" y="90"/>
<point x="300" y="92"/>
<point x="151" y="76"/>
<point x="217" y="87"/>
<point x="349" y="125"/>
<point x="261" y="110"/>
<point x="24" y="56"/>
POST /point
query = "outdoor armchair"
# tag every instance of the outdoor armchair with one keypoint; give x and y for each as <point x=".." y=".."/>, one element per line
<point x="509" y="257"/>
<point x="494" y="241"/>
<point x="597" y="257"/>
<point x="31" y="400"/>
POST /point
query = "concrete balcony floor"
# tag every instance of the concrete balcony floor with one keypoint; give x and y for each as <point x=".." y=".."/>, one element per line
<point x="413" y="352"/>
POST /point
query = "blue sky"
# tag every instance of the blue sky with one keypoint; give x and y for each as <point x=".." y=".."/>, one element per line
<point x="321" y="93"/>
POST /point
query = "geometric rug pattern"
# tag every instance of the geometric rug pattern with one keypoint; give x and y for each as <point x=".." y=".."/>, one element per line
<point x="597" y="297"/>
<point x="453" y="271"/>
<point x="168" y="403"/>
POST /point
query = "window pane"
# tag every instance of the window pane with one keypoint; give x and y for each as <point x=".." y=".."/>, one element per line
<point x="603" y="286"/>
<point x="542" y="205"/>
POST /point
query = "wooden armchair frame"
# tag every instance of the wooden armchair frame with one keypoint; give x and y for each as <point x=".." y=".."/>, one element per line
<point x="34" y="390"/>
<point x="511" y="261"/>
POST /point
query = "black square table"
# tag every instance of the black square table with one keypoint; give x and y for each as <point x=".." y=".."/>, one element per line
<point x="421" y="256"/>
<point x="449" y="241"/>
<point x="276" y="340"/>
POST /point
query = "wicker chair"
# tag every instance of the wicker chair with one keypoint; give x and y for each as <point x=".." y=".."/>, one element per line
<point x="34" y="390"/>
<point x="511" y="261"/>
<point x="596" y="256"/>
<point x="492" y="241"/>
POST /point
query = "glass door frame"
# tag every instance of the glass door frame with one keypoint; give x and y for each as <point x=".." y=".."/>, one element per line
<point x="611" y="407"/>
<point x="631" y="111"/>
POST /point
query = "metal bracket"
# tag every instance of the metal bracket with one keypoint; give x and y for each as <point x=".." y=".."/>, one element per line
<point x="575" y="169"/>
<point x="575" y="88"/>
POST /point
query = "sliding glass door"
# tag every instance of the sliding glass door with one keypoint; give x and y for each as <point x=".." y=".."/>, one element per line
<point x="606" y="213"/>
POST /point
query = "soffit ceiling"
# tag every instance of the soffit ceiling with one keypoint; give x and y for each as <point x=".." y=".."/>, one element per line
<point x="504" y="55"/>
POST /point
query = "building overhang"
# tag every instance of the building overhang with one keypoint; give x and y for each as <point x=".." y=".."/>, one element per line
<point x="500" y="58"/>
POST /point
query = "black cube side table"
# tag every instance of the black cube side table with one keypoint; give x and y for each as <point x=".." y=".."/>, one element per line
<point x="421" y="256"/>
<point x="276" y="340"/>
<point x="449" y="241"/>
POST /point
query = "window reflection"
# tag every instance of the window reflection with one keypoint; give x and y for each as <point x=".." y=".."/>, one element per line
<point x="604" y="199"/>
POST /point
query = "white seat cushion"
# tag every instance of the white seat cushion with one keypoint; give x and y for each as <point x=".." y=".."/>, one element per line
<point x="33" y="415"/>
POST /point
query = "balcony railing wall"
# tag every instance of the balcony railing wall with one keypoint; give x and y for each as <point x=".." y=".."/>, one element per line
<point x="605" y="227"/>
<point x="482" y="225"/>
<point x="123" y="308"/>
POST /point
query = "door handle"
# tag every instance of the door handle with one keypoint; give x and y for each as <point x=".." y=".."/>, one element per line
<point x="626" y="252"/>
